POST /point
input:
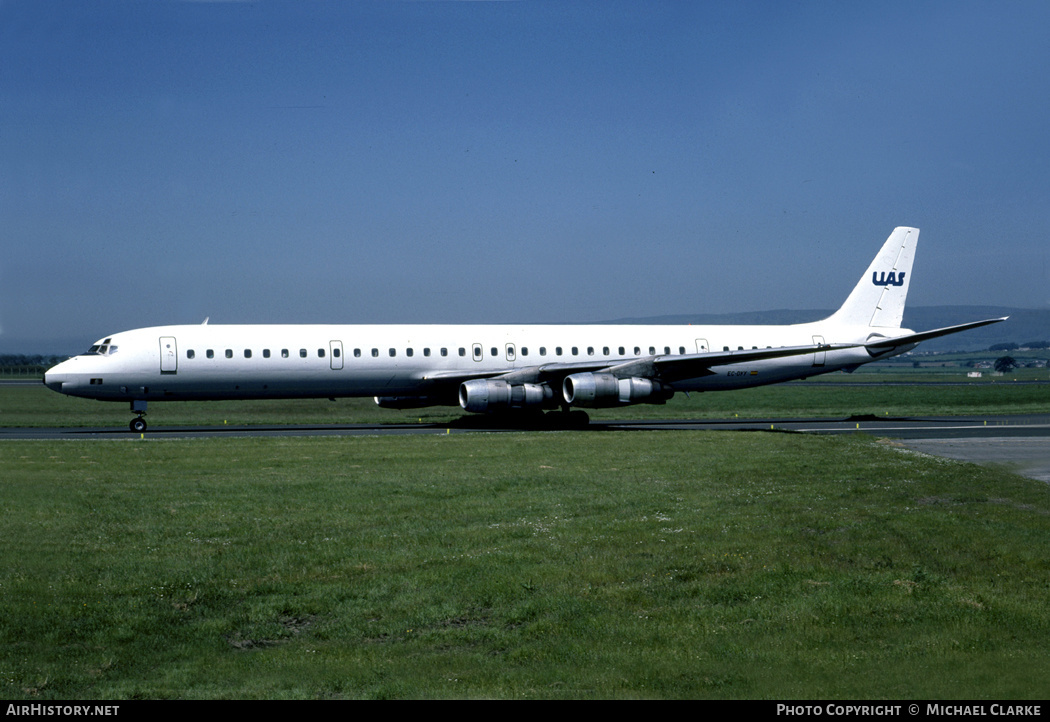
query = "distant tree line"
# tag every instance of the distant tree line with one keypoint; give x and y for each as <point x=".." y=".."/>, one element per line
<point x="20" y="364"/>
<point x="1015" y="346"/>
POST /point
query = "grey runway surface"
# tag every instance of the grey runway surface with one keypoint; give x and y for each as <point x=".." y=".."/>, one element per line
<point x="1020" y="443"/>
<point x="1028" y="456"/>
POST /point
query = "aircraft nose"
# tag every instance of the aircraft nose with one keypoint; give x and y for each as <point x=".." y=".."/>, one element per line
<point x="54" y="381"/>
<point x="56" y="376"/>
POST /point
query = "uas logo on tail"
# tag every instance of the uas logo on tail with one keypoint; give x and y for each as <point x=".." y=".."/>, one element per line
<point x="893" y="279"/>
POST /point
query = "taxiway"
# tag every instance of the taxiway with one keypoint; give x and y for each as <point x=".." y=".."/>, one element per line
<point x="1019" y="442"/>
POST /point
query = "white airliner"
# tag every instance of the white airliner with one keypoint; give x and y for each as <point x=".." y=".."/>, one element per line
<point x="497" y="368"/>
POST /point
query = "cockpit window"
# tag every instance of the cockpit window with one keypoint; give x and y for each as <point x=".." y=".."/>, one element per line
<point x="105" y="348"/>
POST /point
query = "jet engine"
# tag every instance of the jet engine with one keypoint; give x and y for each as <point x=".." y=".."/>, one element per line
<point x="482" y="395"/>
<point x="595" y="390"/>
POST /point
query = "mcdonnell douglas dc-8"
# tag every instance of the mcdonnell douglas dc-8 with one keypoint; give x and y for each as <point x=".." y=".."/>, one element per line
<point x="497" y="368"/>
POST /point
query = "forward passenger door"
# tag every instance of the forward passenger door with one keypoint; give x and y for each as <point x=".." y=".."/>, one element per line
<point x="169" y="355"/>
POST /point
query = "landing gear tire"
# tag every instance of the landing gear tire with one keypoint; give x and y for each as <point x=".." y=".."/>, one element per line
<point x="138" y="425"/>
<point x="578" y="419"/>
<point x="568" y="420"/>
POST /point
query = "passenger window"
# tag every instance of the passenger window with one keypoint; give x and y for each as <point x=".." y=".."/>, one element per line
<point x="667" y="349"/>
<point x="543" y="350"/>
<point x="247" y="353"/>
<point x="266" y="353"/>
<point x="444" y="351"/>
<point x="302" y="353"/>
<point x="462" y="351"/>
<point x="622" y="351"/>
<point x="375" y="353"/>
<point x="357" y="353"/>
<point x="575" y="351"/>
<point x="590" y="350"/>
<point x="637" y="351"/>
<point x="557" y="350"/>
<point x="494" y="351"/>
<point x="524" y="350"/>
<point x="210" y="353"/>
<point x="320" y="353"/>
<point x="681" y="350"/>
<point x="191" y="353"/>
<point x="426" y="351"/>
<point x="392" y="352"/>
<point x="229" y="353"/>
<point x="605" y="350"/>
<point x="336" y="352"/>
<point x="652" y="350"/>
<point x="284" y="353"/>
<point x="408" y="352"/>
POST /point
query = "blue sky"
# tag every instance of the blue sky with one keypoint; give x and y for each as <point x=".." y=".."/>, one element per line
<point x="447" y="162"/>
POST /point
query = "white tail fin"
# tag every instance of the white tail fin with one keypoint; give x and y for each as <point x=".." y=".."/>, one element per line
<point x="878" y="299"/>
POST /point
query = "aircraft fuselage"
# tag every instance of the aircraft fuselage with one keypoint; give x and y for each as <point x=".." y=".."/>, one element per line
<point x="284" y="361"/>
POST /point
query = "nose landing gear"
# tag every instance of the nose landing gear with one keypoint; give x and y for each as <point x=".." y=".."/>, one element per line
<point x="138" y="424"/>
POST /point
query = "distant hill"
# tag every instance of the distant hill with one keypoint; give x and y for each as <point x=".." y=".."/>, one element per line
<point x="1024" y="325"/>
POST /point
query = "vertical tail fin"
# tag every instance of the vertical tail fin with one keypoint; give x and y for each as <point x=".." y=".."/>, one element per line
<point x="878" y="299"/>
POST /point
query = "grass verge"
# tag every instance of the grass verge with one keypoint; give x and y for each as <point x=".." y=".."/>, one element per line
<point x="543" y="565"/>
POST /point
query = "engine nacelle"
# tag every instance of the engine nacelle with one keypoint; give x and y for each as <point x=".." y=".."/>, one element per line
<point x="483" y="395"/>
<point x="597" y="390"/>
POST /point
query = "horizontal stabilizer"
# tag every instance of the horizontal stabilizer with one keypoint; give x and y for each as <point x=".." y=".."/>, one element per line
<point x="883" y="345"/>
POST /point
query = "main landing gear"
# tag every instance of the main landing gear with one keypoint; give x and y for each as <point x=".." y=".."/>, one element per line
<point x="138" y="424"/>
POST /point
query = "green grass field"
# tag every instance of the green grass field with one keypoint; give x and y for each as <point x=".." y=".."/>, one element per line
<point x="523" y="565"/>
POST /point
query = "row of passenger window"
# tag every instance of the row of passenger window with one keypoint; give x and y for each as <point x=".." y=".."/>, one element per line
<point x="477" y="352"/>
<point x="210" y="353"/>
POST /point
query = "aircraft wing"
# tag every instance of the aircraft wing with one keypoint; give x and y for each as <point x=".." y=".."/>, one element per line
<point x="885" y="345"/>
<point x="667" y="368"/>
<point x="670" y="368"/>
<point x="691" y="366"/>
